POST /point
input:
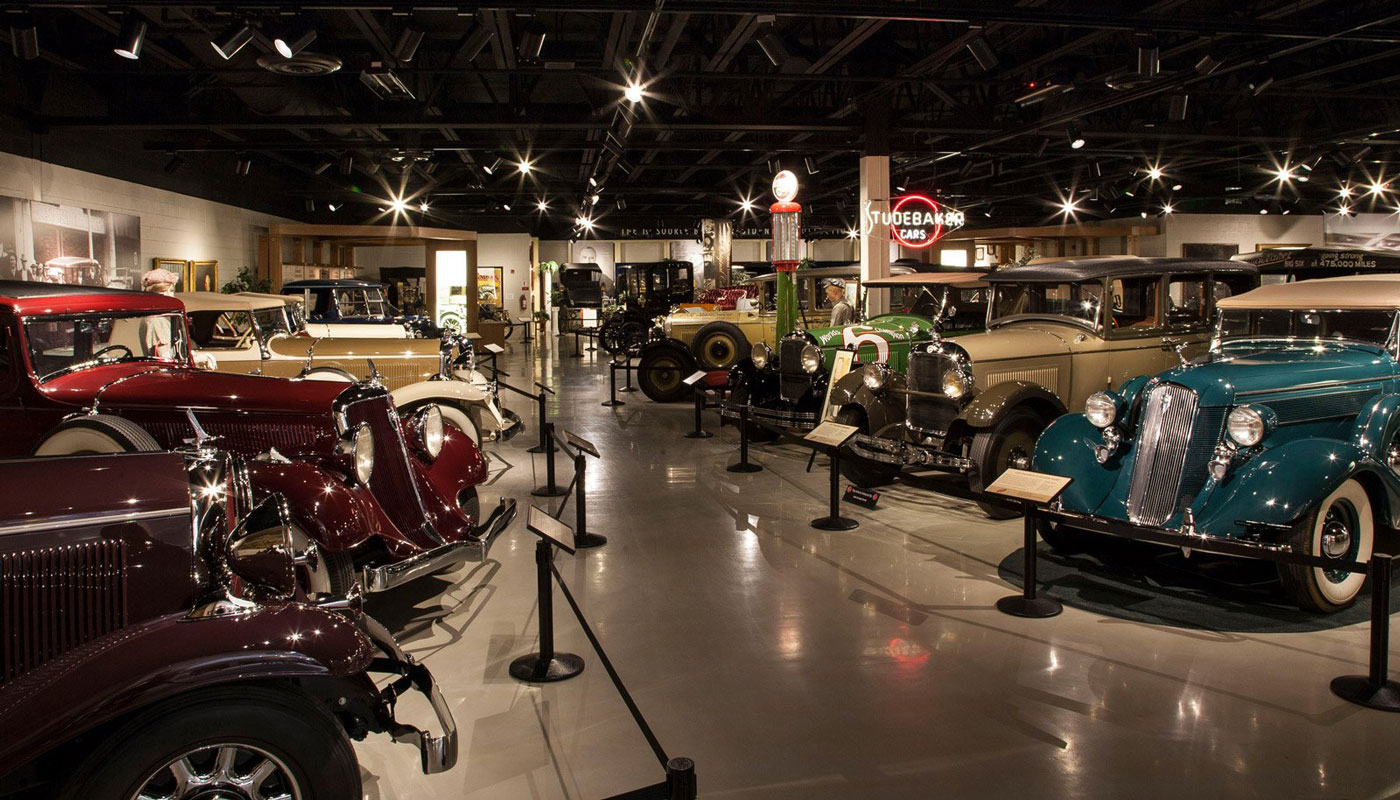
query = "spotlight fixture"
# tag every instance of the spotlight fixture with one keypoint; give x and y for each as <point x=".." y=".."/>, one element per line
<point x="811" y="163"/>
<point x="384" y="83"/>
<point x="1377" y="188"/>
<point x="1283" y="174"/>
<point x="490" y="169"/>
<point x="1208" y="64"/>
<point x="983" y="54"/>
<point x="523" y="167"/>
<point x="621" y="204"/>
<point x="407" y="46"/>
<point x="774" y="166"/>
<point x="234" y="38"/>
<point x="1345" y="191"/>
<point x="852" y="233"/>
<point x="398" y="205"/>
<point x="505" y="206"/>
<point x="1263" y="209"/>
<point x="293" y="42"/>
<point x="532" y="40"/>
<point x="244" y="166"/>
<point x="372" y="168"/>
<point x="634" y="92"/>
<point x="542" y="205"/>
<point x="309" y="205"/>
<point x="1176" y="187"/>
<point x="989" y="211"/>
<point x="1167" y="208"/>
<point x="587" y="223"/>
<point x="322" y="166"/>
<point x="1037" y="91"/>
<point x="477" y="42"/>
<point x="593" y="200"/>
<point x="347" y="164"/>
<point x="772" y="46"/>
<point x="24" y="37"/>
<point x="1260" y="80"/>
<point x="1068" y="206"/>
<point x="1076" y="137"/>
<point x="593" y="181"/>
<point x="746" y="204"/>
<point x="423" y="205"/>
<point x="1040" y="148"/>
<point x="1154" y="173"/>
<point x="1345" y="211"/>
<point x="132" y="35"/>
<point x="333" y="206"/>
<point x="1176" y="112"/>
<point x="1149" y="57"/>
<point x="175" y="162"/>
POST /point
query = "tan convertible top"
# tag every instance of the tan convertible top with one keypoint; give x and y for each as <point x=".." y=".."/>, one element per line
<point x="1345" y="292"/>
<point x="285" y="298"/>
<point x="214" y="301"/>
<point x="928" y="279"/>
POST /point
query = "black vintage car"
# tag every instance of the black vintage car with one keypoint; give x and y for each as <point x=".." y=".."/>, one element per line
<point x="646" y="291"/>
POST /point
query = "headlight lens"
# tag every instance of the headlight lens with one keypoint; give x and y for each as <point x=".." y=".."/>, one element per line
<point x="1246" y="426"/>
<point x="1101" y="409"/>
<point x="762" y="355"/>
<point x="429" y="430"/>
<point x="876" y="376"/>
<point x="811" y="358"/>
<point x="358" y="446"/>
<point x="955" y="383"/>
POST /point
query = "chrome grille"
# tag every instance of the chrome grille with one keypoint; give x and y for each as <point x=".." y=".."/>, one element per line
<point x="1322" y="406"/>
<point x="248" y="436"/>
<point x="925" y="374"/>
<point x="793" y="383"/>
<point x="392" y="481"/>
<point x="56" y="599"/>
<point x="1163" y="442"/>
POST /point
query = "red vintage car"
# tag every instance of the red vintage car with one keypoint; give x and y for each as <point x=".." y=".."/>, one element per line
<point x="386" y="499"/>
<point x="154" y="642"/>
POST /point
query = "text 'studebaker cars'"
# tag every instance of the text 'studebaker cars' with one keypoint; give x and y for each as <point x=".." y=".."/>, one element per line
<point x="390" y="497"/>
<point x="1283" y="436"/>
<point x="154" y="644"/>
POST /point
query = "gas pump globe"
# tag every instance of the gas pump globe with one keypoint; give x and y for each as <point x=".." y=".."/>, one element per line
<point x="787" y="247"/>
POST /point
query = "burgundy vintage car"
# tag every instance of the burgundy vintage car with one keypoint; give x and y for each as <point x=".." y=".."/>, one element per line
<point x="154" y="642"/>
<point x="386" y="499"/>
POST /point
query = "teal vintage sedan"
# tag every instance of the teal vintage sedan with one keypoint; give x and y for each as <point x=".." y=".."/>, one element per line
<point x="1285" y="435"/>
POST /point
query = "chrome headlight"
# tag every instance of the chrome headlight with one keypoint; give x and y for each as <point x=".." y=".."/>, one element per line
<point x="1101" y="409"/>
<point x="426" y="431"/>
<point x="1246" y="426"/>
<point x="811" y="359"/>
<point x="357" y="445"/>
<point x="761" y="355"/>
<point x="956" y="383"/>
<point x="876" y="376"/>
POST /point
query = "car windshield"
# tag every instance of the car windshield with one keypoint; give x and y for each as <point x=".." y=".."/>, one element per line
<point x="360" y="302"/>
<point x="271" y="321"/>
<point x="1369" y="326"/>
<point x="61" y="344"/>
<point x="1077" y="301"/>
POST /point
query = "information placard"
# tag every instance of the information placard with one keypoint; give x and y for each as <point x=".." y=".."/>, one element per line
<point x="831" y="434"/>
<point x="865" y="498"/>
<point x="694" y="377"/>
<point x="493" y="349"/>
<point x="580" y="443"/>
<point x="544" y="526"/>
<point x="1037" y="487"/>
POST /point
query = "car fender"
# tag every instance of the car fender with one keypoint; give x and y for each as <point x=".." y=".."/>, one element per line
<point x="1375" y="430"/>
<point x="456" y="393"/>
<point x="167" y="656"/>
<point x="1066" y="448"/>
<point x="1281" y="484"/>
<point x="459" y="465"/>
<point x="989" y="405"/>
<point x="884" y="409"/>
<point x="330" y="512"/>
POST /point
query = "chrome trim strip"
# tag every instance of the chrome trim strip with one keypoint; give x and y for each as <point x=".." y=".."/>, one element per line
<point x="1306" y="386"/>
<point x="99" y="518"/>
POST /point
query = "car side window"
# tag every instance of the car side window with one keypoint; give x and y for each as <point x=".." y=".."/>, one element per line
<point x="215" y="330"/>
<point x="1134" y="304"/>
<point x="1187" y="302"/>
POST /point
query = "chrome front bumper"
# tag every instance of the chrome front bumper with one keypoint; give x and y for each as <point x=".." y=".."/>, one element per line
<point x="379" y="579"/>
<point x="438" y="753"/>
<point x="778" y="418"/>
<point x="891" y="451"/>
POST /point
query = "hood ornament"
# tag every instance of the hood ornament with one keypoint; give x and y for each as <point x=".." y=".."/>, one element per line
<point x="202" y="438"/>
<point x="1177" y="346"/>
<point x="374" y="372"/>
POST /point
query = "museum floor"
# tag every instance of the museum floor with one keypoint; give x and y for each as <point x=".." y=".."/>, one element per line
<point x="788" y="662"/>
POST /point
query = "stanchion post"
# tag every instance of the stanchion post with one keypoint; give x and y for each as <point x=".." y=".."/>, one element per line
<point x="582" y="538"/>
<point x="612" y="401"/>
<point x="680" y="779"/>
<point x="1027" y="603"/>
<point x="744" y="465"/>
<point x="546" y="444"/>
<point x="550" y="488"/>
<point x="528" y="325"/>
<point x="629" y="387"/>
<point x="577" y="353"/>
<point x="1375" y="689"/>
<point x="546" y="666"/>
<point x="699" y="432"/>
<point x="834" y="521"/>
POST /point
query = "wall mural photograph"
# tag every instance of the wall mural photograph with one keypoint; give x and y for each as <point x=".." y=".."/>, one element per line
<point x="54" y="243"/>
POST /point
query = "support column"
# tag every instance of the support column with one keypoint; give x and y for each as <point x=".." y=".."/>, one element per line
<point x="874" y="235"/>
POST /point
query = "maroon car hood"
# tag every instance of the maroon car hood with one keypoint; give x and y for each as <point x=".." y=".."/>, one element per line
<point x="144" y="385"/>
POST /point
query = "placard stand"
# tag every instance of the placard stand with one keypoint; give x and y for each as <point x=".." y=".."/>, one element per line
<point x="1033" y="489"/>
<point x="546" y="437"/>
<point x="743" y="465"/>
<point x="582" y="450"/>
<point x="546" y="666"/>
<point x="700" y="391"/>
<point x="612" y="401"/>
<point x="830" y="437"/>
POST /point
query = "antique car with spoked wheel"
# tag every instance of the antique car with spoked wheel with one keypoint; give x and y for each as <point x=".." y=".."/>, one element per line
<point x="353" y="301"/>
<point x="646" y="291"/>
<point x="1286" y="435"/>
<point x="156" y="644"/>
<point x="1056" y="333"/>
<point x="796" y="385"/>
<point x="249" y="334"/>
<point x="387" y="496"/>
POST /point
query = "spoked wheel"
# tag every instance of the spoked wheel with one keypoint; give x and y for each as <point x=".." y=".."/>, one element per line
<point x="221" y="770"/>
<point x="662" y="374"/>
<point x="613" y="338"/>
<point x="1008" y="444"/>
<point x="1341" y="527"/>
<point x="720" y="345"/>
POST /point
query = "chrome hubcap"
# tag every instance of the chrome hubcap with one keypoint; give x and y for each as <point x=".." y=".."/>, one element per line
<point x="1337" y="539"/>
<point x="221" y="772"/>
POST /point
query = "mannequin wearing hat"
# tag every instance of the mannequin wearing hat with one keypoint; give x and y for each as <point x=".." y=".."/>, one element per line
<point x="841" y="311"/>
<point x="156" y="330"/>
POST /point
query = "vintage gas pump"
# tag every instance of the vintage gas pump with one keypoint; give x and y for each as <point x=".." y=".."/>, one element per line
<point x="787" y="248"/>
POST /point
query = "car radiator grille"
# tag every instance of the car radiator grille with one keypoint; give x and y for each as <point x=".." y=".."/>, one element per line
<point x="246" y="436"/>
<point x="1322" y="406"/>
<point x="392" y="481"/>
<point x="56" y="599"/>
<point x="1161" y="476"/>
<point x="925" y="374"/>
<point x="793" y="383"/>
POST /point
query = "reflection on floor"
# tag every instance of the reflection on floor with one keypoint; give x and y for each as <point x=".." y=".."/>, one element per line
<point x="789" y="662"/>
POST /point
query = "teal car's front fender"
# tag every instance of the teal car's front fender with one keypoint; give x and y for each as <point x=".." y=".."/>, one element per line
<point x="1279" y="485"/>
<point x="1067" y="448"/>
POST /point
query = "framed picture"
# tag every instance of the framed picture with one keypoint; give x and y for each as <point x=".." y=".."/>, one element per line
<point x="1209" y="252"/>
<point x="202" y="276"/>
<point x="179" y="266"/>
<point x="845" y="359"/>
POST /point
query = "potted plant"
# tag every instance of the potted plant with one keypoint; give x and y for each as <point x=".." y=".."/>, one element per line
<point x="541" y="321"/>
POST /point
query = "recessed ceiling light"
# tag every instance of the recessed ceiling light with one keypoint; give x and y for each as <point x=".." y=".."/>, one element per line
<point x="634" y="92"/>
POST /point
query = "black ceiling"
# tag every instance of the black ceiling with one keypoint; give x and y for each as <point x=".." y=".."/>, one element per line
<point x="974" y="101"/>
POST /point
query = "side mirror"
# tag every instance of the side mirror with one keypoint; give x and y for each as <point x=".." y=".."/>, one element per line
<point x="259" y="550"/>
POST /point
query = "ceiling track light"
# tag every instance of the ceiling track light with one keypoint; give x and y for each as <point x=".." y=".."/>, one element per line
<point x="234" y="38"/>
<point x="772" y="46"/>
<point x="774" y="166"/>
<point x="1207" y="64"/>
<point x="490" y="169"/>
<point x="1038" y="91"/>
<point x="983" y="54"/>
<point x="384" y="83"/>
<point x="1076" y="137"/>
<point x="322" y="166"/>
<point x="621" y="204"/>
<point x="1259" y="81"/>
<point x="1176" y="112"/>
<point x="24" y="37"/>
<point x="532" y="40"/>
<point x="290" y="44"/>
<point x="309" y="205"/>
<point x="811" y="164"/>
<point x="1149" y="61"/>
<point x="132" y="36"/>
<point x="347" y="164"/>
<point x="244" y="166"/>
<point x="477" y="42"/>
<point x="407" y="46"/>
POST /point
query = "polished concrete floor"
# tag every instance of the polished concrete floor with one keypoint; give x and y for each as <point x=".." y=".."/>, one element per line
<point x="789" y="662"/>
